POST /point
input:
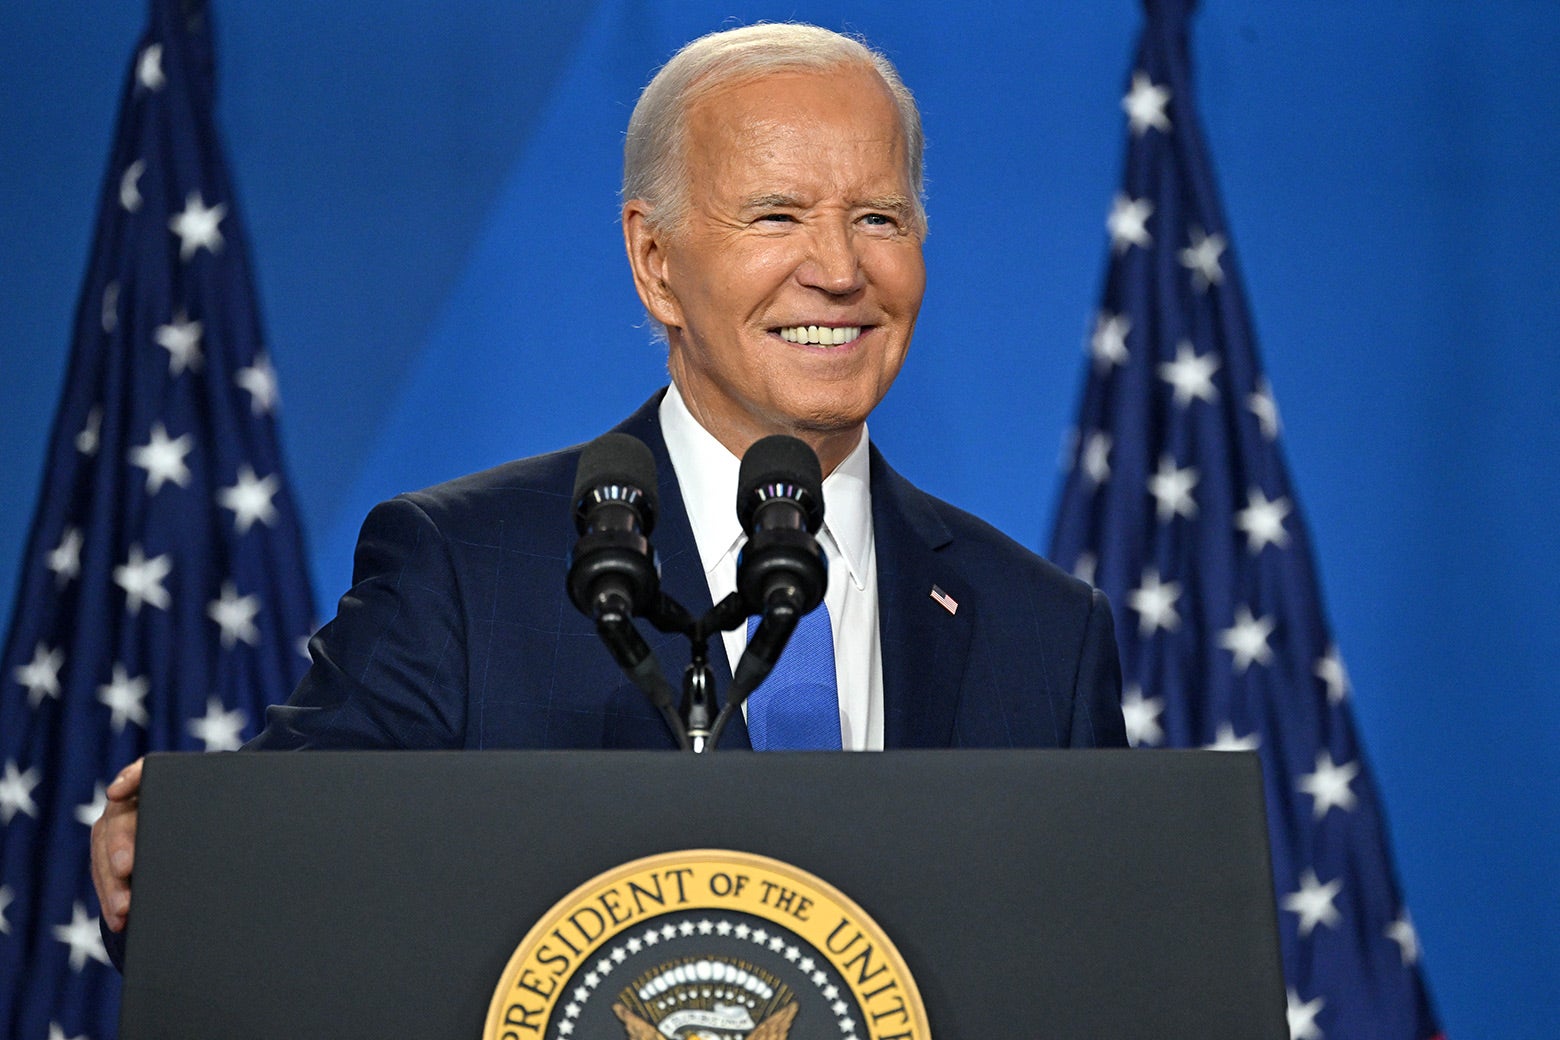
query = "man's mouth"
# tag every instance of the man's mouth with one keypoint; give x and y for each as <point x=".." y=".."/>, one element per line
<point x="820" y="335"/>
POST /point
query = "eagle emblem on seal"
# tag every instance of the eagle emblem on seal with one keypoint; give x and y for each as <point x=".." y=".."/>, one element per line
<point x="706" y="998"/>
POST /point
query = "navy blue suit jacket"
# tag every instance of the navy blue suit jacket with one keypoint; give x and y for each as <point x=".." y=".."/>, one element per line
<point x="458" y="633"/>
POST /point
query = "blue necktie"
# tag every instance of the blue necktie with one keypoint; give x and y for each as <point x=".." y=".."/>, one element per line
<point x="797" y="708"/>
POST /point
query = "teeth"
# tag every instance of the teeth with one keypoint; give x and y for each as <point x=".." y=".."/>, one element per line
<point x="820" y="335"/>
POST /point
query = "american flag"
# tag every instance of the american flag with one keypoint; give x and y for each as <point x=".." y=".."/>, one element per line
<point x="164" y="597"/>
<point x="1178" y="504"/>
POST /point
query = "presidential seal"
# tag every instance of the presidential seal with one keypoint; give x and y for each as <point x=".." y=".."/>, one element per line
<point x="706" y="945"/>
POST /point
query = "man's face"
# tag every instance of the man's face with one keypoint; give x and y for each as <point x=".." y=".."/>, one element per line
<point x="790" y="291"/>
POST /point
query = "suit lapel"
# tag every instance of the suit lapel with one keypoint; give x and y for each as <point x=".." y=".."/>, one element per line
<point x="682" y="573"/>
<point x="924" y="644"/>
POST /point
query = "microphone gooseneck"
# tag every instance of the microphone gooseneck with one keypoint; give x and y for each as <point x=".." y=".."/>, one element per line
<point x="782" y="572"/>
<point x="612" y="569"/>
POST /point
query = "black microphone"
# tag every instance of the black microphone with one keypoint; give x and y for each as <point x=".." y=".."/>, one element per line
<point x="612" y="570"/>
<point x="782" y="572"/>
<point x="780" y="505"/>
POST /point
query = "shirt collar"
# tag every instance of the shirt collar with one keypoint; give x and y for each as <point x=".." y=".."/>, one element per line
<point x="707" y="473"/>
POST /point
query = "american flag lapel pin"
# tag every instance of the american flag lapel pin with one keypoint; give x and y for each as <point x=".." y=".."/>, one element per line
<point x="944" y="600"/>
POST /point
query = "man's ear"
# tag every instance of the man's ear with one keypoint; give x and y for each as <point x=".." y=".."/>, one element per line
<point x="647" y="258"/>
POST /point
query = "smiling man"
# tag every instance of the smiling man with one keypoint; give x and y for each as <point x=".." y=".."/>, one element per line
<point x="774" y="223"/>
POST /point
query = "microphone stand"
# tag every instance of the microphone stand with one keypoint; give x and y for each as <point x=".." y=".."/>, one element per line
<point x="698" y="728"/>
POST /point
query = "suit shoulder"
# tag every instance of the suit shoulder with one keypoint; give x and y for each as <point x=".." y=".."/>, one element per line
<point x="524" y="490"/>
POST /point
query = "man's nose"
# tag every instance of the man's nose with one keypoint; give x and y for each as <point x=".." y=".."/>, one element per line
<point x="833" y="263"/>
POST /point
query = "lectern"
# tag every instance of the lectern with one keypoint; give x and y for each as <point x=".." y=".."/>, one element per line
<point x="1011" y="894"/>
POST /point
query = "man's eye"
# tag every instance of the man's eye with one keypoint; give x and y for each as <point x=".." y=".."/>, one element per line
<point x="779" y="218"/>
<point x="879" y="220"/>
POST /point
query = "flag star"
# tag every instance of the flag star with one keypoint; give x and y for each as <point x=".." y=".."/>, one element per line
<point x="65" y="559"/>
<point x="250" y="499"/>
<point x="148" y="67"/>
<point x="56" y="1033"/>
<point x="723" y="928"/>
<point x="259" y="380"/>
<point x="125" y="698"/>
<point x="1128" y="223"/>
<point x="87" y="439"/>
<point x="1329" y="785"/>
<point x="1247" y="639"/>
<point x="163" y="459"/>
<point x="840" y="1007"/>
<point x="760" y="936"/>
<point x="777" y="944"/>
<point x="565" y="1027"/>
<point x="706" y="926"/>
<point x="1155" y="603"/>
<point x="1262" y="404"/>
<point x="669" y="931"/>
<point x="651" y="938"/>
<point x="1302" y="1017"/>
<point x="1263" y="521"/>
<point x="1085" y="566"/>
<point x="130" y="186"/>
<point x="1314" y="902"/>
<point x="634" y="945"/>
<point x="1224" y="739"/>
<point x="181" y="339"/>
<point x="16" y="792"/>
<point x="83" y="938"/>
<point x="686" y="928"/>
<point x="1191" y="374"/>
<point x="592" y="980"/>
<point x="1109" y="342"/>
<point x="198" y="226"/>
<point x="87" y="813"/>
<point x="6" y="897"/>
<point x="1201" y="257"/>
<point x="219" y="730"/>
<point x="41" y="675"/>
<point x="142" y="580"/>
<point x="1096" y="457"/>
<point x="1172" y="490"/>
<point x="1330" y="670"/>
<point x="1141" y="715"/>
<point x="1401" y="931"/>
<point x="1145" y="105"/>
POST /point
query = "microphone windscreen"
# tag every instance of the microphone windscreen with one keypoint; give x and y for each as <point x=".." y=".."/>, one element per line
<point x="618" y="460"/>
<point x="779" y="461"/>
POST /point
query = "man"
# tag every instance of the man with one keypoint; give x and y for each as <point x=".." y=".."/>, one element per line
<point x="773" y="222"/>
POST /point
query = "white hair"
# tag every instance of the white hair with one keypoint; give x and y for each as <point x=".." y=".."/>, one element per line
<point x="653" y="167"/>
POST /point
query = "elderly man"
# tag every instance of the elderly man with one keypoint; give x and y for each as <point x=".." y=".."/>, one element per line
<point x="774" y="223"/>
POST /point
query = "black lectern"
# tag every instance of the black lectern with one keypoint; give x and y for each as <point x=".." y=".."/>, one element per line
<point x="1062" y="895"/>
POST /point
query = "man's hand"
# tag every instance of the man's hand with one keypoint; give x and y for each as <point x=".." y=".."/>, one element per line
<point x="113" y="846"/>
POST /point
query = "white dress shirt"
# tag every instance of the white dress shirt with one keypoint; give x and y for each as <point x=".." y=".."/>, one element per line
<point x="707" y="473"/>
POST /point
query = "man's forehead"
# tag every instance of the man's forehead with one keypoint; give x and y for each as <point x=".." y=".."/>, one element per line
<point x="802" y="118"/>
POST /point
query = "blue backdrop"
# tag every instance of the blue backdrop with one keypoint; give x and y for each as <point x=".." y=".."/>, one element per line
<point x="431" y="200"/>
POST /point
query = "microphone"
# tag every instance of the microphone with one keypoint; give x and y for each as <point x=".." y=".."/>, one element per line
<point x="780" y="506"/>
<point x="782" y="572"/>
<point x="612" y="573"/>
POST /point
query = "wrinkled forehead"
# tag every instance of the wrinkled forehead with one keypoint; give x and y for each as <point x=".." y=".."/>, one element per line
<point x="842" y="115"/>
